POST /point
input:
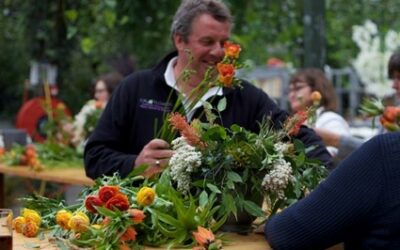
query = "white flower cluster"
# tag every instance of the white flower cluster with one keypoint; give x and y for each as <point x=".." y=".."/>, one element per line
<point x="277" y="180"/>
<point x="1" y="142"/>
<point x="281" y="148"/>
<point x="80" y="121"/>
<point x="371" y="62"/>
<point x="182" y="163"/>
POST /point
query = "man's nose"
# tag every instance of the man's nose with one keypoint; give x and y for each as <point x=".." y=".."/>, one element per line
<point x="217" y="50"/>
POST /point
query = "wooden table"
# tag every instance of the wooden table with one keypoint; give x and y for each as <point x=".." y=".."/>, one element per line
<point x="72" y="176"/>
<point x="239" y="242"/>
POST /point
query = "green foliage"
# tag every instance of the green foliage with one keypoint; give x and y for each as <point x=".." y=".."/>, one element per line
<point x="82" y="37"/>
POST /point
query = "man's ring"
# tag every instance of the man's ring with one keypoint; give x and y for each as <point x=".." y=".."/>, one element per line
<point x="157" y="163"/>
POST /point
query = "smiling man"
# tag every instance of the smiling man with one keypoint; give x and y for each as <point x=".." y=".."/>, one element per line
<point x="125" y="135"/>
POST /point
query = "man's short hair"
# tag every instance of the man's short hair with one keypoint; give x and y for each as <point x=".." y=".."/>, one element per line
<point x="394" y="64"/>
<point x="190" y="9"/>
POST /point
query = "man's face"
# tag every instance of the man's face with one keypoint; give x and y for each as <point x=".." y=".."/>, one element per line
<point x="205" y="43"/>
<point x="396" y="83"/>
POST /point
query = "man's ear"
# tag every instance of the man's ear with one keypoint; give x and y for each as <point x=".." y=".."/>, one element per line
<point x="178" y="41"/>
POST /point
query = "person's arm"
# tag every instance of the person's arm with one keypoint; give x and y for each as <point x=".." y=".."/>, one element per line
<point x="338" y="207"/>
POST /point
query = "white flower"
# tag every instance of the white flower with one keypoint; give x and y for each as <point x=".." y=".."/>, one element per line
<point x="1" y="142"/>
<point x="183" y="162"/>
<point x="278" y="179"/>
<point x="371" y="62"/>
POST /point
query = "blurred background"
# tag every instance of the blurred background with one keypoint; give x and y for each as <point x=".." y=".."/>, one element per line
<point x="68" y="43"/>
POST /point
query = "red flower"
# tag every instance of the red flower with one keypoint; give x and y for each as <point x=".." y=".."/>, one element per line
<point x="226" y="73"/>
<point x="232" y="49"/>
<point x="192" y="137"/>
<point x="119" y="201"/>
<point x="130" y="234"/>
<point x="91" y="201"/>
<point x="107" y="192"/>
<point x="137" y="215"/>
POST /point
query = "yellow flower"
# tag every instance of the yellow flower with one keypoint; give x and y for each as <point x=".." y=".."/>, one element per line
<point x="97" y="226"/>
<point x="62" y="218"/>
<point x="31" y="216"/>
<point x="18" y="224"/>
<point x="145" y="196"/>
<point x="79" y="222"/>
<point x="30" y="229"/>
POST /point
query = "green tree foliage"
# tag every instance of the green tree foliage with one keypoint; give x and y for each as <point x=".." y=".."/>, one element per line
<point x="83" y="37"/>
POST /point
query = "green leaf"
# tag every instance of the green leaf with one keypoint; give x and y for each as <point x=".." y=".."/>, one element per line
<point x="87" y="45"/>
<point x="235" y="177"/>
<point x="221" y="105"/>
<point x="203" y="198"/>
<point x="71" y="15"/>
<point x="252" y="208"/>
<point x="213" y="188"/>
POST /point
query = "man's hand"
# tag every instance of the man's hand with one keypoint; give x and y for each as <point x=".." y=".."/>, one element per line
<point x="156" y="154"/>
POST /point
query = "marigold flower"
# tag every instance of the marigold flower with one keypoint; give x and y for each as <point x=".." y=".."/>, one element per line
<point x="203" y="236"/>
<point x="137" y="215"/>
<point x="30" y="229"/>
<point x="232" y="49"/>
<point x="106" y="192"/>
<point x="31" y="216"/>
<point x="145" y="196"/>
<point x="129" y="234"/>
<point x="226" y="73"/>
<point x="119" y="201"/>
<point x="62" y="218"/>
<point x="79" y="222"/>
<point x="19" y="223"/>
<point x="316" y="97"/>
<point x="91" y="201"/>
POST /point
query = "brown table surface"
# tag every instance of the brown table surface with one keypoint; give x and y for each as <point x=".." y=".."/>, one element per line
<point x="239" y="242"/>
<point x="73" y="175"/>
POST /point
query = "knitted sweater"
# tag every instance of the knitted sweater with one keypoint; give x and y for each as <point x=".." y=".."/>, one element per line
<point x="358" y="204"/>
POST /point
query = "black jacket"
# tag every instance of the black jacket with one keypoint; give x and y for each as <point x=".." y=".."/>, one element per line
<point x="138" y="104"/>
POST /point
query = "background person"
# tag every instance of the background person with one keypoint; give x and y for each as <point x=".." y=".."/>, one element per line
<point x="301" y="85"/>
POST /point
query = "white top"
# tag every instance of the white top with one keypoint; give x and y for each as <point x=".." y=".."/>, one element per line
<point x="171" y="81"/>
<point x="332" y="122"/>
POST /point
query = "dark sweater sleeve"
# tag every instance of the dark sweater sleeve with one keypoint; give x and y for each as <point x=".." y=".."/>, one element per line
<point x="106" y="150"/>
<point x="337" y="207"/>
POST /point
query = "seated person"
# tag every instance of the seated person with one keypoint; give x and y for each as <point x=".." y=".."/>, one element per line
<point x="301" y="85"/>
<point x="358" y="204"/>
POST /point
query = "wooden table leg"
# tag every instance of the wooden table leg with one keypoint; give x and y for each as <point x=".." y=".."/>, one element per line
<point x="2" y="190"/>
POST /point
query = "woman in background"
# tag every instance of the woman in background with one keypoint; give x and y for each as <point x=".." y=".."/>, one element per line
<point x="301" y="85"/>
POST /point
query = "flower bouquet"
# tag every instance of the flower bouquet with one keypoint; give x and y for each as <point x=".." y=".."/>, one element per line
<point x="216" y="175"/>
<point x="389" y="116"/>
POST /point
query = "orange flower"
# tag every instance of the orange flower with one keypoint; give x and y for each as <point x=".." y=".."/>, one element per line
<point x="137" y="215"/>
<point x="2" y="151"/>
<point x="391" y="113"/>
<point x="295" y="122"/>
<point x="107" y="192"/>
<point x="232" y="49"/>
<point x="18" y="224"/>
<point x="203" y="236"/>
<point x="316" y="97"/>
<point x="130" y="234"/>
<point x="179" y="123"/>
<point x="98" y="105"/>
<point x="226" y="73"/>
<point x="118" y="201"/>
<point x="124" y="246"/>
<point x="91" y="201"/>
<point x="62" y="218"/>
<point x="30" y="229"/>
